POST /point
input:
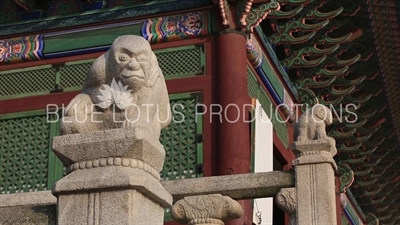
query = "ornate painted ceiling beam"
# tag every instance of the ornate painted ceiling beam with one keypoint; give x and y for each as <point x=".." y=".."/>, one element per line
<point x="312" y="83"/>
<point x="301" y="62"/>
<point x="357" y="124"/>
<point x="350" y="86"/>
<point x="359" y="99"/>
<point x="367" y="114"/>
<point x="285" y="32"/>
<point x="365" y="151"/>
<point x="286" y="14"/>
<point x="327" y="100"/>
<point x="371" y="219"/>
<point x="300" y="25"/>
<point x="346" y="177"/>
<point x="289" y="39"/>
<point x="338" y="134"/>
<point x="351" y="148"/>
<point x="315" y="14"/>
<point x="372" y="190"/>
<point x="224" y="11"/>
<point x="362" y="173"/>
<point x="334" y="61"/>
<point x="372" y="163"/>
<point x="330" y="73"/>
<point x="355" y="160"/>
<point x="335" y="92"/>
<point x="297" y="59"/>
<point x="361" y="138"/>
<point x="322" y="39"/>
<point x="353" y="82"/>
<point x="294" y="2"/>
<point x="259" y="13"/>
<point x="384" y="218"/>
<point x="383" y="208"/>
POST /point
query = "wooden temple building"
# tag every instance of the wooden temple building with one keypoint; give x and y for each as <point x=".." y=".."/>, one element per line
<point x="280" y="52"/>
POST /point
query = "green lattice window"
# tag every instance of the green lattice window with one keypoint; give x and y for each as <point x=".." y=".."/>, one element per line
<point x="182" y="139"/>
<point x="22" y="82"/>
<point x="182" y="61"/>
<point x="174" y="62"/>
<point x="72" y="74"/>
<point x="26" y="162"/>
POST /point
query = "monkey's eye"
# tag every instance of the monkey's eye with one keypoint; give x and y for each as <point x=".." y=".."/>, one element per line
<point x="123" y="57"/>
<point x="141" y="58"/>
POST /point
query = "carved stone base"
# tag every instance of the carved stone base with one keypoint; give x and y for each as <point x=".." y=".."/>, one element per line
<point x="114" y="178"/>
<point x="111" y="195"/>
<point x="206" y="210"/>
<point x="130" y="143"/>
<point x="286" y="199"/>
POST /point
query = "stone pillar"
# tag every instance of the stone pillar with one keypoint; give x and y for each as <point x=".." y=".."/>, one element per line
<point x="286" y="200"/>
<point x="212" y="209"/>
<point x="315" y="182"/>
<point x="233" y="138"/>
<point x="114" y="178"/>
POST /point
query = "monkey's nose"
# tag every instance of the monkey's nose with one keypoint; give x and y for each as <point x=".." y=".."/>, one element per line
<point x="133" y="65"/>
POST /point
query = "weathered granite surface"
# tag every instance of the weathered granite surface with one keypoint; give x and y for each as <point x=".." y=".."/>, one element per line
<point x="28" y="215"/>
<point x="286" y="199"/>
<point x="315" y="169"/>
<point x="27" y="198"/>
<point x="239" y="186"/>
<point x="95" y="149"/>
<point x="124" y="87"/>
<point x="110" y="141"/>
<point x="212" y="209"/>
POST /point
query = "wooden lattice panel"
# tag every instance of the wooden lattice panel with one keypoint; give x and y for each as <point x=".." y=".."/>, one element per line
<point x="183" y="152"/>
<point x="24" y="145"/>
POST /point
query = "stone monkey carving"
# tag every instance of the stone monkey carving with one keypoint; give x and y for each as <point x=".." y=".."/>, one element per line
<point x="312" y="124"/>
<point x="131" y="63"/>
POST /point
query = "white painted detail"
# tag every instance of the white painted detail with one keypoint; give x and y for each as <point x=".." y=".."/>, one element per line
<point x="263" y="160"/>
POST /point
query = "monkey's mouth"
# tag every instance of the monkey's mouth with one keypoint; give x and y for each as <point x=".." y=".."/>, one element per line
<point x="128" y="76"/>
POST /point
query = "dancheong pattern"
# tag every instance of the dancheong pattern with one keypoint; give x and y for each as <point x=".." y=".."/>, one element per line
<point x="21" y="49"/>
<point x="178" y="27"/>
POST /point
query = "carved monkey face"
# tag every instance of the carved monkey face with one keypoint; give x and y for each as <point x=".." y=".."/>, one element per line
<point x="322" y="113"/>
<point x="131" y="60"/>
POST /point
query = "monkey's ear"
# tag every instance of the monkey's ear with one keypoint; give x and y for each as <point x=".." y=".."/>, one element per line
<point x="96" y="75"/>
<point x="155" y="71"/>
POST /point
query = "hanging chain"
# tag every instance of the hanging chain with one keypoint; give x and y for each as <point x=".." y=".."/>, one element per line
<point x="259" y="220"/>
<point x="258" y="214"/>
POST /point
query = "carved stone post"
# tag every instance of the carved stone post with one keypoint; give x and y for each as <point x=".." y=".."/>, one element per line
<point x="114" y="179"/>
<point x="315" y="169"/>
<point x="110" y="141"/>
<point x="286" y="200"/>
<point x="206" y="210"/>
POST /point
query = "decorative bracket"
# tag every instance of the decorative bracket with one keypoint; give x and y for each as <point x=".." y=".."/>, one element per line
<point x="212" y="209"/>
<point x="286" y="200"/>
<point x="258" y="14"/>
<point x="224" y="10"/>
<point x="346" y="176"/>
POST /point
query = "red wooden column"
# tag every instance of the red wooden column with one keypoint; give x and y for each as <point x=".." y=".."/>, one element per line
<point x="233" y="133"/>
